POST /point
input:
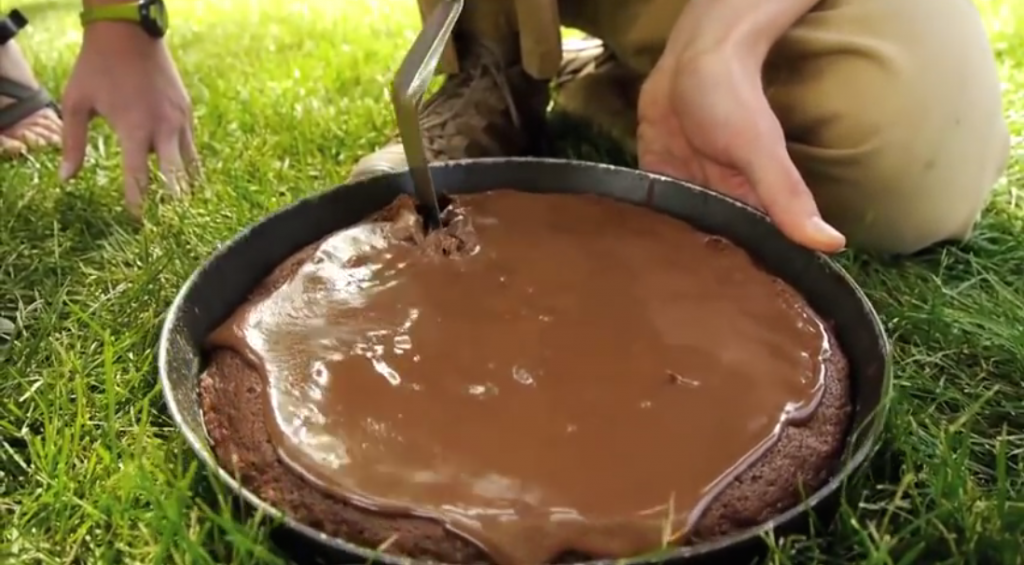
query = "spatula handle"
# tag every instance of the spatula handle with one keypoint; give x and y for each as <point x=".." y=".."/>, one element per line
<point x="407" y="90"/>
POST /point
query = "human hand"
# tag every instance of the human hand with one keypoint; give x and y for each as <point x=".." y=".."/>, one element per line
<point x="704" y="117"/>
<point x="130" y="79"/>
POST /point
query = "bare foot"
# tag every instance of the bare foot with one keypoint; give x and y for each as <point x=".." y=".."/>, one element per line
<point x="41" y="129"/>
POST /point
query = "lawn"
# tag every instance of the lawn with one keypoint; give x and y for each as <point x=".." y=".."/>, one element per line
<point x="288" y="95"/>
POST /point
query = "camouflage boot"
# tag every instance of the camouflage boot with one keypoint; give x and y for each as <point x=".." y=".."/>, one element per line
<point x="593" y="85"/>
<point x="488" y="109"/>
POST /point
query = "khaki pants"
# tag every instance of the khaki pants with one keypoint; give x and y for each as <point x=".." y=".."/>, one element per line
<point x="892" y="107"/>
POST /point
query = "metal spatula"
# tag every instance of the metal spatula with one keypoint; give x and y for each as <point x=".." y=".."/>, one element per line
<point x="407" y="91"/>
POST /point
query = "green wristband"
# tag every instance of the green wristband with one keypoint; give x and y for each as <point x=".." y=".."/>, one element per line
<point x="111" y="12"/>
<point x="150" y="15"/>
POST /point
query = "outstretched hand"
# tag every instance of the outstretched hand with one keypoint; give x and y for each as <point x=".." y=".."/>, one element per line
<point x="128" y="78"/>
<point x="704" y="118"/>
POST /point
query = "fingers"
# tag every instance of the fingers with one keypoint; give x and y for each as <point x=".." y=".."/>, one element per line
<point x="74" y="138"/>
<point x="135" y="150"/>
<point x="135" y="155"/>
<point x="172" y="166"/>
<point x="135" y="162"/>
<point x="783" y="193"/>
<point x="189" y="153"/>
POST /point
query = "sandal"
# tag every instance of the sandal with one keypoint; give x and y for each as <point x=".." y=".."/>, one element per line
<point x="27" y="100"/>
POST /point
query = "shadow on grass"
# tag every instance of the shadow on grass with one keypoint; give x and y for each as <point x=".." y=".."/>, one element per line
<point x="90" y="220"/>
<point x="48" y="244"/>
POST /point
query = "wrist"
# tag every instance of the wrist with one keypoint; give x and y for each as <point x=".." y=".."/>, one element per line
<point x="126" y="34"/>
<point x="147" y="15"/>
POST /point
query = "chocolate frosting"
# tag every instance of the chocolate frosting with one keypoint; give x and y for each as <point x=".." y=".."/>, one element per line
<point x="548" y="373"/>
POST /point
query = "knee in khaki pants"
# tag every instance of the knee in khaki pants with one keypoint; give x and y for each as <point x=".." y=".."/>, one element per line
<point x="896" y="126"/>
<point x="892" y="108"/>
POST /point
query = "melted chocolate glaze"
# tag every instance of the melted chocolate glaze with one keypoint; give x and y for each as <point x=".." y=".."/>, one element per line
<point x="548" y="373"/>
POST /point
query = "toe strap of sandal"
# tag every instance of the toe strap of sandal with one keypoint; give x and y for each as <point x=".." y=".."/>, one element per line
<point x="27" y="101"/>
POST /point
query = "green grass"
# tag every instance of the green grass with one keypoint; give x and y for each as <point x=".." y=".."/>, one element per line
<point x="287" y="96"/>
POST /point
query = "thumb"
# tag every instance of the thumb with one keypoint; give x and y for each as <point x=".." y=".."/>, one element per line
<point x="74" y="139"/>
<point x="785" y="196"/>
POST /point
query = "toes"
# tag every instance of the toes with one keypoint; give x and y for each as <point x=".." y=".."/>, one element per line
<point x="10" y="146"/>
<point x="31" y="138"/>
<point x="50" y="121"/>
<point x="47" y="128"/>
<point x="51" y="138"/>
<point x="50" y="127"/>
<point x="42" y="129"/>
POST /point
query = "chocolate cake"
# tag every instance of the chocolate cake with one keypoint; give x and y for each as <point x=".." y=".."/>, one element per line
<point x="545" y="379"/>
